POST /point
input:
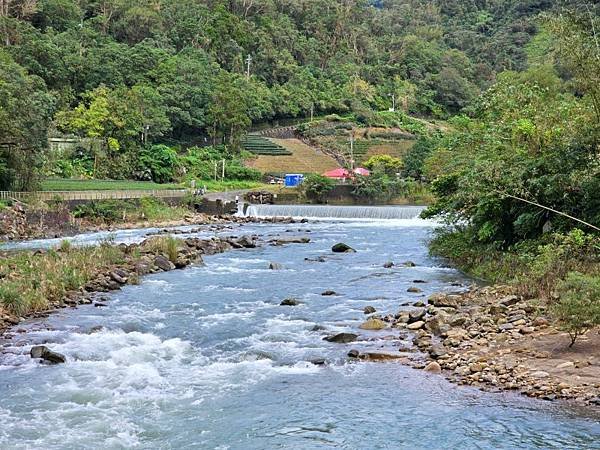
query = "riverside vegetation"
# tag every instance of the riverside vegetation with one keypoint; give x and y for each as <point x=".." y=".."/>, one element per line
<point x="518" y="181"/>
<point x="138" y="96"/>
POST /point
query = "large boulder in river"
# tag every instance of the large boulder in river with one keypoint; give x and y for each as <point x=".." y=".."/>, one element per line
<point x="342" y="248"/>
<point x="43" y="352"/>
<point x="341" y="338"/>
<point x="275" y="266"/>
<point x="289" y="302"/>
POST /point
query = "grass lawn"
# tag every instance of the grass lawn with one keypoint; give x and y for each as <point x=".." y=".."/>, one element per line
<point x="219" y="186"/>
<point x="103" y="185"/>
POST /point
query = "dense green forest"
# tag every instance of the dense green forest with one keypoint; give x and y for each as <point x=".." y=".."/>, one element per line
<point x="131" y="74"/>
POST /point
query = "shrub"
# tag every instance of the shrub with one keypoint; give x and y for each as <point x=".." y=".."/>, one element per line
<point x="101" y="210"/>
<point x="317" y="187"/>
<point x="160" y="161"/>
<point x="385" y="164"/>
<point x="578" y="309"/>
<point x="166" y="245"/>
<point x="11" y="299"/>
<point x="238" y="172"/>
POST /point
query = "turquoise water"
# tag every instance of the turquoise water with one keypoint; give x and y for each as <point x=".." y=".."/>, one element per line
<point x="205" y="358"/>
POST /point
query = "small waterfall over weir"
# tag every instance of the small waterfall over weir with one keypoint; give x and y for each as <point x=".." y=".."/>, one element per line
<point x="335" y="212"/>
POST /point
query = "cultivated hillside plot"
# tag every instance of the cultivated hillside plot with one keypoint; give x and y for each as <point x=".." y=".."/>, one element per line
<point x="304" y="159"/>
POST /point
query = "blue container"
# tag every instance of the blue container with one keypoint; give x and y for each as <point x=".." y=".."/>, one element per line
<point x="293" y="179"/>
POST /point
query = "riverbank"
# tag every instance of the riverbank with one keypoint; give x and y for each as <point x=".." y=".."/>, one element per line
<point x="493" y="339"/>
<point x="35" y="284"/>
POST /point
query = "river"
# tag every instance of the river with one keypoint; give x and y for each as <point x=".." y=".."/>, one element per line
<point x="206" y="358"/>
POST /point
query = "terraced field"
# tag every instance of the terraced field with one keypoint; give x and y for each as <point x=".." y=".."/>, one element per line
<point x="396" y="149"/>
<point x="363" y="149"/>
<point x="301" y="159"/>
<point x="260" y="145"/>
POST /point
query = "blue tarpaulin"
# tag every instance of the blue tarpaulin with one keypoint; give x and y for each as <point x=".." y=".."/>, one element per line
<point x="293" y="179"/>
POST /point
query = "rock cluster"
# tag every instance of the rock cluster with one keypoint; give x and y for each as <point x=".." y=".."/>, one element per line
<point x="478" y="338"/>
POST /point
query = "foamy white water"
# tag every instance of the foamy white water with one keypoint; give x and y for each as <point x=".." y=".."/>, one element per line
<point x="336" y="212"/>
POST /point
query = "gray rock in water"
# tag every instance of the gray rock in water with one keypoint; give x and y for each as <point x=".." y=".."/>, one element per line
<point x="275" y="266"/>
<point x="246" y="242"/>
<point x="353" y="353"/>
<point x="318" y="361"/>
<point x="342" y="248"/>
<point x="414" y="290"/>
<point x="328" y="293"/>
<point x="43" y="352"/>
<point x="369" y="310"/>
<point x="388" y="265"/>
<point x="409" y="264"/>
<point x="289" y="302"/>
<point x="291" y="240"/>
<point x="341" y="338"/>
<point x="163" y="263"/>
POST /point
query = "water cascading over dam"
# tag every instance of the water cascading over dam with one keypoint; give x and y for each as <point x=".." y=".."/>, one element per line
<point x="336" y="212"/>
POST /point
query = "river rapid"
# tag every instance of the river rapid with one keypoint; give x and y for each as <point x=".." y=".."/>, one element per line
<point x="206" y="358"/>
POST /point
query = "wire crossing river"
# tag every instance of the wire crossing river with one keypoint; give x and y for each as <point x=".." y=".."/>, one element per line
<point x="206" y="358"/>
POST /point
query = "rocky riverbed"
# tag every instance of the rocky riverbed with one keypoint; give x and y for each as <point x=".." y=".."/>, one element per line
<point x="141" y="259"/>
<point x="490" y="338"/>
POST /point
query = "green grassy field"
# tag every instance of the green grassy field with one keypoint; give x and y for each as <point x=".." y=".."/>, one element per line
<point x="103" y="185"/>
<point x="219" y="186"/>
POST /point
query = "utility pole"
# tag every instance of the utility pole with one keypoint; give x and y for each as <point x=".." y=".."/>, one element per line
<point x="352" y="150"/>
<point x="216" y="163"/>
<point x="312" y="111"/>
<point x="248" y="61"/>
<point x="223" y="171"/>
<point x="393" y="102"/>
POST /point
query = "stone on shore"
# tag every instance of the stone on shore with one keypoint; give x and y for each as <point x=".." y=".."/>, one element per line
<point x="443" y="301"/>
<point x="416" y="325"/>
<point x="119" y="275"/>
<point x="433" y="367"/>
<point x="163" y="263"/>
<point x="341" y="338"/>
<point x="43" y="352"/>
<point x="342" y="248"/>
<point x="373" y="324"/>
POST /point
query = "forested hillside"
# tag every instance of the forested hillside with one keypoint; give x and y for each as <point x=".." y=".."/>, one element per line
<point x="135" y="73"/>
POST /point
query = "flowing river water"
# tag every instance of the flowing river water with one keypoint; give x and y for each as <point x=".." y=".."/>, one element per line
<point x="206" y="358"/>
